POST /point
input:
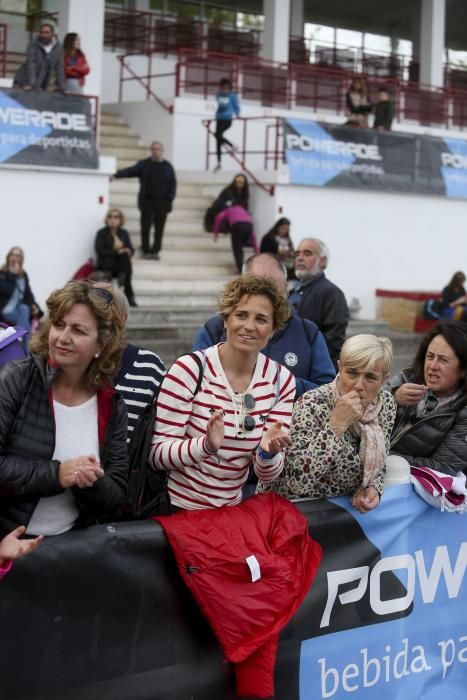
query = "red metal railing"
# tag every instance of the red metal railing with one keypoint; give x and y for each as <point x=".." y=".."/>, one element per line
<point x="351" y="58"/>
<point x="3" y="48"/>
<point x="308" y="86"/>
<point x="244" y="153"/>
<point x="145" y="32"/>
<point x="145" y="80"/>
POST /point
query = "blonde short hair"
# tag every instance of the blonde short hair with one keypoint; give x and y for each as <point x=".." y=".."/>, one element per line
<point x="365" y="350"/>
<point x="251" y="285"/>
<point x="110" y="327"/>
<point x="114" y="210"/>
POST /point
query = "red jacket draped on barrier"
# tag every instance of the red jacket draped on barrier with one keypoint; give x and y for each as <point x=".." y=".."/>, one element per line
<point x="220" y="553"/>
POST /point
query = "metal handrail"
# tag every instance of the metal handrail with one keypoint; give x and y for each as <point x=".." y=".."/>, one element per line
<point x="141" y="80"/>
<point x="239" y="155"/>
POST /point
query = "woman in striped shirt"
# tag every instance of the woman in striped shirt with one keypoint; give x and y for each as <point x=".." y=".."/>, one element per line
<point x="240" y="416"/>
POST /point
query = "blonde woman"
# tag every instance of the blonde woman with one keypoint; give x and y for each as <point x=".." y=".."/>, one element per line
<point x="341" y="431"/>
<point x="17" y="303"/>
<point x="114" y="251"/>
<point x="63" y="428"/>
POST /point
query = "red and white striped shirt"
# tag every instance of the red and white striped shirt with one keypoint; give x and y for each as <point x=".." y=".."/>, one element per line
<point x="198" y="479"/>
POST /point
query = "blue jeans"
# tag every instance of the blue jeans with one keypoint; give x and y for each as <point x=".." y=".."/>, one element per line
<point x="20" y="317"/>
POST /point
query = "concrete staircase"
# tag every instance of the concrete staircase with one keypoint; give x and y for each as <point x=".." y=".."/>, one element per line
<point x="178" y="293"/>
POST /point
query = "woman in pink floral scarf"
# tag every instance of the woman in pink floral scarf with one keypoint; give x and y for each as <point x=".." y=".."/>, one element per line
<point x="340" y="431"/>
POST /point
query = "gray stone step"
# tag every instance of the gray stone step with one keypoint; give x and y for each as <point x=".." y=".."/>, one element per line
<point x="113" y="119"/>
<point x="149" y="317"/>
<point x="173" y="299"/>
<point x="111" y="141"/>
<point x="166" y="280"/>
<point x="126" y="155"/>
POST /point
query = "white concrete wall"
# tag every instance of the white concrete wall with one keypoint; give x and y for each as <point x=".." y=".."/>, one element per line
<point x="386" y="241"/>
<point x="53" y="215"/>
<point x="164" y="86"/>
<point x="149" y="120"/>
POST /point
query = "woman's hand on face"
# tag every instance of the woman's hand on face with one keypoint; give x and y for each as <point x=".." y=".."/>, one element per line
<point x="366" y="499"/>
<point x="11" y="547"/>
<point x="82" y="472"/>
<point x="409" y="394"/>
<point x="274" y="440"/>
<point x="215" y="431"/>
<point x="348" y="410"/>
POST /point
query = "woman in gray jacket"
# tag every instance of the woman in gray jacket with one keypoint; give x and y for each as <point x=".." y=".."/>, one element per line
<point x="431" y="422"/>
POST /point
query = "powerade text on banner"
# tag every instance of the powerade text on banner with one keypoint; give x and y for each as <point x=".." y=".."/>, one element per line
<point x="41" y="128"/>
<point x="326" y="155"/>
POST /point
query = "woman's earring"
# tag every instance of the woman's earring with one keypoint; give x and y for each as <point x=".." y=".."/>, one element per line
<point x="96" y="355"/>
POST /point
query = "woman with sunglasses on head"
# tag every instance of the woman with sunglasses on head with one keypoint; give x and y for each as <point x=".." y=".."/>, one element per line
<point x="239" y="417"/>
<point x="63" y="454"/>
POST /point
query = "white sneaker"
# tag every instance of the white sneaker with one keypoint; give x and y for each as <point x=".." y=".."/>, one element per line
<point x="217" y="168"/>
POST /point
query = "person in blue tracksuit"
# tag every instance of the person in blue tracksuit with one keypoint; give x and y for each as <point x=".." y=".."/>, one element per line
<point x="299" y="346"/>
<point x="228" y="108"/>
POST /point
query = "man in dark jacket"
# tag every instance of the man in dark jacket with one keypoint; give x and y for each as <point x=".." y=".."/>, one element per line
<point x="316" y="298"/>
<point x="157" y="190"/>
<point x="299" y="346"/>
<point x="44" y="59"/>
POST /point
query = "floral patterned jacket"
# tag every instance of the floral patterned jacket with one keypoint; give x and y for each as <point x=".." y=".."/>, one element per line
<point x="318" y="463"/>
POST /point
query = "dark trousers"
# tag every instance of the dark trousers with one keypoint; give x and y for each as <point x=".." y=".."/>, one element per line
<point x="240" y="236"/>
<point x="221" y="126"/>
<point x="120" y="267"/>
<point x="153" y="210"/>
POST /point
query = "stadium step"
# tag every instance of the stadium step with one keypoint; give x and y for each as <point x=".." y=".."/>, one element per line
<point x="178" y="293"/>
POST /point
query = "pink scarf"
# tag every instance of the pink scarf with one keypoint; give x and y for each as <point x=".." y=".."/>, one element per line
<point x="372" y="446"/>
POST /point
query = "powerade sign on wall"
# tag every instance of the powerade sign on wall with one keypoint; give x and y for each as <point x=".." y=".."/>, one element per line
<point x="40" y="128"/>
<point x="340" y="156"/>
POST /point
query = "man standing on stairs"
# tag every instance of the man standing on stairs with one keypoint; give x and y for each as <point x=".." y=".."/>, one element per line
<point x="157" y="188"/>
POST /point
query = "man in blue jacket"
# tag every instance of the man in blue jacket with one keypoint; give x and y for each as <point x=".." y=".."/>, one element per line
<point x="157" y="188"/>
<point x="299" y="346"/>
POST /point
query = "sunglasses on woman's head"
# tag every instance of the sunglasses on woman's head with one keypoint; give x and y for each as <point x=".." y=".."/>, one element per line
<point x="104" y="295"/>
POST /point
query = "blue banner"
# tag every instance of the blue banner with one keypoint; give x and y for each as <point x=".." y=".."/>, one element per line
<point x="329" y="155"/>
<point x="420" y="655"/>
<point x="42" y="128"/>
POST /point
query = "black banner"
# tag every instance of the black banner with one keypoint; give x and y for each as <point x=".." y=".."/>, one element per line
<point x="41" y="128"/>
<point x="329" y="155"/>
<point x="103" y="614"/>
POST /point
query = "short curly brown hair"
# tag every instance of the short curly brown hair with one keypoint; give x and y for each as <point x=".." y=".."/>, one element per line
<point x="110" y="327"/>
<point x="250" y="285"/>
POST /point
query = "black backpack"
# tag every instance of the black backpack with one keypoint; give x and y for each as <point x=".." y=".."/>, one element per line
<point x="147" y="487"/>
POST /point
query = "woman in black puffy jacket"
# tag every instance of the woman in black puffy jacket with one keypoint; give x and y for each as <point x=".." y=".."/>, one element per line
<point x="431" y="422"/>
<point x="63" y="429"/>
